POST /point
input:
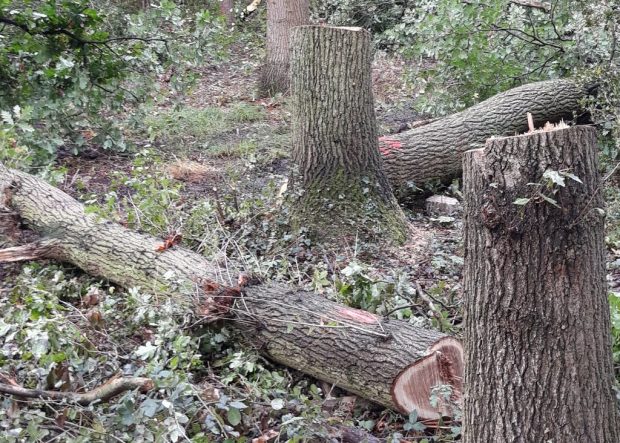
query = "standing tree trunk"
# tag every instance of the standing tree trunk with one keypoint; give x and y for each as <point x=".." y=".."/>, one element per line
<point x="537" y="329"/>
<point x="335" y="134"/>
<point x="282" y="16"/>
<point x="226" y="8"/>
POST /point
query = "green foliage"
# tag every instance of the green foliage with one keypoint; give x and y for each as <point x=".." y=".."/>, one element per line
<point x="71" y="66"/>
<point x="360" y="290"/>
<point x="189" y="126"/>
<point x="145" y="199"/>
<point x="375" y="15"/>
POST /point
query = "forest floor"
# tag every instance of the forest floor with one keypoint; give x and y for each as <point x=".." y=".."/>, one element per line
<point x="211" y="165"/>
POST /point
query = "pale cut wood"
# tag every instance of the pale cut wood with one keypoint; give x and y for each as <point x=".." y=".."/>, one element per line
<point x="442" y="205"/>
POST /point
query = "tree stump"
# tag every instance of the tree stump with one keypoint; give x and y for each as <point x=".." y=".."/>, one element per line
<point x="335" y="135"/>
<point x="538" y="364"/>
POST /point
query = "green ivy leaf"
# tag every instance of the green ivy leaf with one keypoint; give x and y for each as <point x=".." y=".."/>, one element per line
<point x="521" y="201"/>
<point x="554" y="177"/>
<point x="234" y="416"/>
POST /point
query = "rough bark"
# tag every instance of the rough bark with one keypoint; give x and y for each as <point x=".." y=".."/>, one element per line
<point x="282" y="16"/>
<point x="434" y="151"/>
<point x="335" y="134"/>
<point x="387" y="361"/>
<point x="537" y="328"/>
<point x="226" y="8"/>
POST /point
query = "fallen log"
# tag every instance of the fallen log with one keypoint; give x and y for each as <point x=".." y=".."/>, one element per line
<point x="387" y="361"/>
<point x="434" y="151"/>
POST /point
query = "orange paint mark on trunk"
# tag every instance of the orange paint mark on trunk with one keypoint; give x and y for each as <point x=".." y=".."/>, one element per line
<point x="357" y="315"/>
<point x="387" y="145"/>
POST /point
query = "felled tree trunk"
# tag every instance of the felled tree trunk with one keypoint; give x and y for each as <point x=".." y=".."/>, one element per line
<point x="335" y="135"/>
<point x="282" y="16"/>
<point x="537" y="328"/>
<point x="387" y="361"/>
<point x="434" y="151"/>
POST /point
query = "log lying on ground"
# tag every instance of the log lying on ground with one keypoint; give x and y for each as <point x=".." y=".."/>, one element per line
<point x="433" y="151"/>
<point x="387" y="361"/>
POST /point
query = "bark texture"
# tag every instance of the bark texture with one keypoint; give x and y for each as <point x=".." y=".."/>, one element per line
<point x="226" y="8"/>
<point x="282" y="16"/>
<point x="537" y="328"/>
<point x="387" y="361"/>
<point x="335" y="133"/>
<point x="365" y="354"/>
<point x="434" y="151"/>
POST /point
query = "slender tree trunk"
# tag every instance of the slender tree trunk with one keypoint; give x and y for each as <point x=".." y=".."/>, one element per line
<point x="387" y="361"/>
<point x="226" y="8"/>
<point x="434" y="151"/>
<point x="537" y="327"/>
<point x="282" y="16"/>
<point x="335" y="135"/>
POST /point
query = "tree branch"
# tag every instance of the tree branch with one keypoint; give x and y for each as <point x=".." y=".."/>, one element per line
<point x="543" y="6"/>
<point x="103" y="393"/>
<point x="57" y="31"/>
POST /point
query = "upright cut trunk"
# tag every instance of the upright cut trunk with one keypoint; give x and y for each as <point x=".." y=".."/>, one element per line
<point x="226" y="8"/>
<point x="537" y="328"/>
<point x="335" y="134"/>
<point x="282" y="16"/>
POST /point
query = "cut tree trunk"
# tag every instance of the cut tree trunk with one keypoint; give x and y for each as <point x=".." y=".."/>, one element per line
<point x="537" y="325"/>
<point x="434" y="151"/>
<point x="226" y="8"/>
<point x="387" y="361"/>
<point x="335" y="135"/>
<point x="282" y="16"/>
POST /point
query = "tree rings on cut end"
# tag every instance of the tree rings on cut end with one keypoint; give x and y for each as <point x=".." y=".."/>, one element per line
<point x="443" y="365"/>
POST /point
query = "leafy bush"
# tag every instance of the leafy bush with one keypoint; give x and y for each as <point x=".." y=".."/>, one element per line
<point x="464" y="52"/>
<point x="375" y="15"/>
<point x="72" y="66"/>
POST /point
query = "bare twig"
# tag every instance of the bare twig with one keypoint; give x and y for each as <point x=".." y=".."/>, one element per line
<point x="543" y="6"/>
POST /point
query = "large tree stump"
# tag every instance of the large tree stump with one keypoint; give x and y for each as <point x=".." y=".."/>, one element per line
<point x="434" y="151"/>
<point x="335" y="135"/>
<point x="387" y="361"/>
<point x="537" y="327"/>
